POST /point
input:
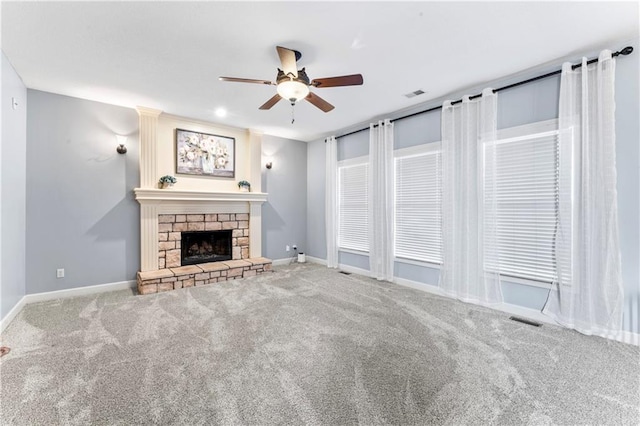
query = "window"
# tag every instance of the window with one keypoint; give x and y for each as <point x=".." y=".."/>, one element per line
<point x="418" y="198"/>
<point x="353" y="230"/>
<point x="523" y="174"/>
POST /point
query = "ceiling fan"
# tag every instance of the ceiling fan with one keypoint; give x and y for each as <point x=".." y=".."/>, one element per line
<point x="293" y="84"/>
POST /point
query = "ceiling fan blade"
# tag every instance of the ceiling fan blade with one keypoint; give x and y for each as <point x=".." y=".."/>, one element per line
<point x="319" y="102"/>
<point x="271" y="102"/>
<point x="288" y="60"/>
<point x="344" y="80"/>
<point x="245" y="80"/>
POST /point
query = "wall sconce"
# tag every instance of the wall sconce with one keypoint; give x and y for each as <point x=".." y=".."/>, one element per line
<point x="269" y="165"/>
<point x="121" y="149"/>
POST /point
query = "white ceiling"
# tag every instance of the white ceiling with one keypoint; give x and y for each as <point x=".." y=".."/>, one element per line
<point x="168" y="55"/>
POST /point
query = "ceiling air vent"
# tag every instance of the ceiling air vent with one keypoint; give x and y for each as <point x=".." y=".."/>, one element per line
<point x="414" y="94"/>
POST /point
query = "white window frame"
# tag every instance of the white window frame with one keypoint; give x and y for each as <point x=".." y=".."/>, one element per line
<point x="362" y="160"/>
<point x="548" y="127"/>
<point x="422" y="149"/>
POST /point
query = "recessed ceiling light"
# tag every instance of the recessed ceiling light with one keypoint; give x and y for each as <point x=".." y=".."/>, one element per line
<point x="221" y="112"/>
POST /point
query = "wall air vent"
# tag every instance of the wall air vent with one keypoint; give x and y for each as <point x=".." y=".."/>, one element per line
<point x="414" y="94"/>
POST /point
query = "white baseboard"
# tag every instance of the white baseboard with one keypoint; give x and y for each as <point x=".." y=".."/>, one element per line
<point x="290" y="260"/>
<point x="532" y="314"/>
<point x="283" y="262"/>
<point x="12" y="314"/>
<point x="354" y="270"/>
<point x="316" y="260"/>
<point x="629" y="337"/>
<point x="311" y="259"/>
<point x="528" y="313"/>
<point x="521" y="311"/>
<point x="80" y="291"/>
<point x="63" y="294"/>
<point x="419" y="286"/>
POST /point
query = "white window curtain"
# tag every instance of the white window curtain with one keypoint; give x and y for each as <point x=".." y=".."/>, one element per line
<point x="466" y="239"/>
<point x="589" y="295"/>
<point x="331" y="201"/>
<point x="381" y="205"/>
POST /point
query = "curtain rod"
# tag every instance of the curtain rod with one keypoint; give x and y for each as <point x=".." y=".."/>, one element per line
<point x="626" y="51"/>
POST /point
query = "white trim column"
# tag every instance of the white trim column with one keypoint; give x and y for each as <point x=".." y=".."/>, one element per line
<point x="148" y="121"/>
<point x="255" y="228"/>
<point x="148" y="237"/>
<point x="255" y="160"/>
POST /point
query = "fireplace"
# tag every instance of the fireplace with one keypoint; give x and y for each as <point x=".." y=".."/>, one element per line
<point x="205" y="246"/>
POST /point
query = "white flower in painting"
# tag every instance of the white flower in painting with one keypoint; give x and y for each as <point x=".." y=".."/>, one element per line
<point x="191" y="156"/>
<point x="182" y="151"/>
<point x="221" y="162"/>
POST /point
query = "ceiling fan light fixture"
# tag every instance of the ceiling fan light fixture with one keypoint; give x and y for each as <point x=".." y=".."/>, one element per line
<point x="293" y="90"/>
<point x="293" y="84"/>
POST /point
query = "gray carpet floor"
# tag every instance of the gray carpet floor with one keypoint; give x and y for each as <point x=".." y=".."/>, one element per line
<point x="305" y="345"/>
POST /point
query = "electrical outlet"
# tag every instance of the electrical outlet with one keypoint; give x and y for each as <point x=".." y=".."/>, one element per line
<point x="60" y="273"/>
<point x="286" y="248"/>
<point x="295" y="247"/>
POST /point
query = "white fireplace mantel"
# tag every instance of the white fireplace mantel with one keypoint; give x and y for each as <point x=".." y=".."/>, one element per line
<point x="145" y="195"/>
<point x="154" y="202"/>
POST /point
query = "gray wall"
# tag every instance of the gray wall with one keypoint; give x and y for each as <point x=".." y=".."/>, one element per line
<point x="628" y="167"/>
<point x="521" y="105"/>
<point x="81" y="212"/>
<point x="316" y="245"/>
<point x="13" y="159"/>
<point x="284" y="215"/>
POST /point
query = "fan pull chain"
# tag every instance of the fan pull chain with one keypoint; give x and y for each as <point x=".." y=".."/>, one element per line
<point x="293" y="118"/>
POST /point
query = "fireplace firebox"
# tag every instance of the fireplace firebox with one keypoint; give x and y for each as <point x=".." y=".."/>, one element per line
<point x="205" y="246"/>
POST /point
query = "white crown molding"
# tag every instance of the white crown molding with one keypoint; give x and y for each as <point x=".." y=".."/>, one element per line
<point x="151" y="112"/>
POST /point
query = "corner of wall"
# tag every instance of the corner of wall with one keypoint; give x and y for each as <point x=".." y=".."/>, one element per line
<point x="12" y="189"/>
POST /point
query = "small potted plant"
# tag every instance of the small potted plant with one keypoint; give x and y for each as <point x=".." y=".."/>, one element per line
<point x="166" y="181"/>
<point x="244" y="186"/>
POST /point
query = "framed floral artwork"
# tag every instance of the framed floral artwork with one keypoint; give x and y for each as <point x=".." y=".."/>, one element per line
<point x="205" y="155"/>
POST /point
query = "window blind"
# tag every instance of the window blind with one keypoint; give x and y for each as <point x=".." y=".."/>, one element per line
<point x="522" y="174"/>
<point x="352" y="207"/>
<point x="418" y="231"/>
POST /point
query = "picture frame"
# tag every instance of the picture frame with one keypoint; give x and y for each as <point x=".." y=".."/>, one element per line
<point x="205" y="154"/>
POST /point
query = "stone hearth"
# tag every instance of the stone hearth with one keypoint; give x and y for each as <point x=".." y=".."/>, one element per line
<point x="202" y="274"/>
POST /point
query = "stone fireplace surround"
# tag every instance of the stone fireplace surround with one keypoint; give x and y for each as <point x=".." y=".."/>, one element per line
<point x="171" y="227"/>
<point x="191" y="202"/>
